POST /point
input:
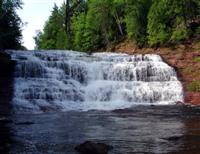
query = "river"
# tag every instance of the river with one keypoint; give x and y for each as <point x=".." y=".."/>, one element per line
<point x="142" y="129"/>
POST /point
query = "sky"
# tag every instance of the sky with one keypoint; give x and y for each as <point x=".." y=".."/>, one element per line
<point x="34" y="13"/>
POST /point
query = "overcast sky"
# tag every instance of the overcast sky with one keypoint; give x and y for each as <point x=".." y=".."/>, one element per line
<point x="35" y="13"/>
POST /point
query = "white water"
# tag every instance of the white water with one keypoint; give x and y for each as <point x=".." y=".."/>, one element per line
<point x="66" y="80"/>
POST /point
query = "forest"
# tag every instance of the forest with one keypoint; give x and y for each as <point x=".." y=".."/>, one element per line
<point x="90" y="25"/>
<point x="10" y="24"/>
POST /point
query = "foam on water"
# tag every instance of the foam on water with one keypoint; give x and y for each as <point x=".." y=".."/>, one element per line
<point x="68" y="80"/>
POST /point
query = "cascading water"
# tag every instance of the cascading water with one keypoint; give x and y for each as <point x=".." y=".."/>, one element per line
<point x="67" y="80"/>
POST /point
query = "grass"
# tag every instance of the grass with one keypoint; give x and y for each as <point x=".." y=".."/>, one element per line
<point x="194" y="86"/>
<point x="188" y="70"/>
<point x="197" y="59"/>
<point x="198" y="46"/>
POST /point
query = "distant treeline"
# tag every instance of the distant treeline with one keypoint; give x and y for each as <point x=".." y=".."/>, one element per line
<point x="87" y="25"/>
<point x="10" y="25"/>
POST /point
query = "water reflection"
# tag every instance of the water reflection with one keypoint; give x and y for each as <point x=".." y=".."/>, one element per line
<point x="191" y="138"/>
<point x="5" y="138"/>
<point x="172" y="129"/>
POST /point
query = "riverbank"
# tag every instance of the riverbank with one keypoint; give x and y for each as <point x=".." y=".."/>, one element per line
<point x="185" y="58"/>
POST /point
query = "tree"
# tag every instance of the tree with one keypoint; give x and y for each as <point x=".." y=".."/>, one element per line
<point x="136" y="20"/>
<point x="10" y="24"/>
<point x="168" y="20"/>
<point x="37" y="39"/>
<point x="72" y="7"/>
<point x="53" y="35"/>
<point x="79" y="29"/>
<point x="101" y="25"/>
<point x="94" y="24"/>
<point x="118" y="7"/>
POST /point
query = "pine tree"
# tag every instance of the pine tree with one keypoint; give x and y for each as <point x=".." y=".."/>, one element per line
<point x="100" y="31"/>
<point x="53" y="35"/>
<point x="79" y="29"/>
<point x="10" y="24"/>
<point x="94" y="24"/>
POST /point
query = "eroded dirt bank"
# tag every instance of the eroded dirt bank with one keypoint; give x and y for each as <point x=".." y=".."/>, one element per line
<point x="184" y="58"/>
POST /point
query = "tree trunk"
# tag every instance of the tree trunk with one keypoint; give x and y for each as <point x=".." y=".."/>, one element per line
<point x="67" y="18"/>
<point x="119" y="24"/>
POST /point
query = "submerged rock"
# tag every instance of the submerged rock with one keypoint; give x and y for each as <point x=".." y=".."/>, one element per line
<point x="173" y="138"/>
<point x="90" y="147"/>
<point x="25" y="123"/>
<point x="123" y="111"/>
<point x="5" y="120"/>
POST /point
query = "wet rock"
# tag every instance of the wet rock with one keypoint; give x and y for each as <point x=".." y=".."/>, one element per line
<point x="122" y="111"/>
<point x="173" y="138"/>
<point x="90" y="147"/>
<point x="25" y="123"/>
<point x="5" y="120"/>
<point x="4" y="54"/>
<point x="192" y="97"/>
<point x="22" y="58"/>
<point x="6" y="64"/>
<point x="179" y="103"/>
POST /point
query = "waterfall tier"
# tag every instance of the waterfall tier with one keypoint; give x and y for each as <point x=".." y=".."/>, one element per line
<point x="67" y="80"/>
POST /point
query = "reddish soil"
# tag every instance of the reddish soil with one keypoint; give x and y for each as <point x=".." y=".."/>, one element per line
<point x="184" y="58"/>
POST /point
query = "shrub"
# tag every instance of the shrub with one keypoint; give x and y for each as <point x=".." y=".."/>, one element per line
<point x="194" y="86"/>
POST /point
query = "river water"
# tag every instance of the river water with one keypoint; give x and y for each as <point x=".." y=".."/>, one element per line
<point x="142" y="129"/>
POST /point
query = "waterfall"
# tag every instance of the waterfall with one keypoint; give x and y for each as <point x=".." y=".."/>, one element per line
<point x="68" y="80"/>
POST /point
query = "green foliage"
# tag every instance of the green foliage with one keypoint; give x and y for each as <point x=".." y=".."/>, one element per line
<point x="37" y="39"/>
<point x="197" y="59"/>
<point x="180" y="33"/>
<point x="97" y="27"/>
<point x="89" y="25"/>
<point x="99" y="19"/>
<point x="118" y="14"/>
<point x="194" y="86"/>
<point x="10" y="24"/>
<point x="92" y="32"/>
<point x="198" y="46"/>
<point x="79" y="32"/>
<point x="61" y="39"/>
<point x="98" y="24"/>
<point x="168" y="20"/>
<point x="197" y="32"/>
<point x="53" y="32"/>
<point x="136" y="20"/>
<point x="158" y="22"/>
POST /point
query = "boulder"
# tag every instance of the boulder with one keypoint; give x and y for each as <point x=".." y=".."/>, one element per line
<point x="90" y="147"/>
<point x="6" y="64"/>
